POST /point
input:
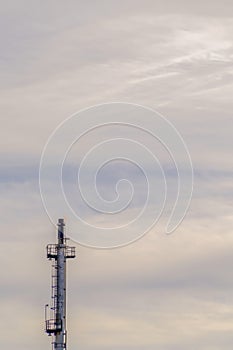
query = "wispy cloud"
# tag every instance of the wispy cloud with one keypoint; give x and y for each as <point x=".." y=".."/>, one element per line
<point x="172" y="56"/>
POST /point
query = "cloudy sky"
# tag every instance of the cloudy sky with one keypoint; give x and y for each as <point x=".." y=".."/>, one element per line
<point x="162" y="292"/>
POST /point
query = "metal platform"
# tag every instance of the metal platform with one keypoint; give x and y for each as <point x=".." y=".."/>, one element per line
<point x="53" y="327"/>
<point x="53" y="248"/>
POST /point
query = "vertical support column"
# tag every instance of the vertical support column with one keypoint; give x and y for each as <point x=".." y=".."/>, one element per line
<point x="60" y="338"/>
<point x="56" y="325"/>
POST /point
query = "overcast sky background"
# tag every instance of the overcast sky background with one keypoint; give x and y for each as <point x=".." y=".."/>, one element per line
<point x="162" y="292"/>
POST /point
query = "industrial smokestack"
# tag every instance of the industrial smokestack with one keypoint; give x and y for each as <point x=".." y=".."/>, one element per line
<point x="56" y="324"/>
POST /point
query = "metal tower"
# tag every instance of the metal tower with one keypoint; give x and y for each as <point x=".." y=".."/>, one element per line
<point x="55" y="322"/>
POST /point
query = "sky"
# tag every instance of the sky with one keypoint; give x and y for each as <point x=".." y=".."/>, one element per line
<point x="162" y="292"/>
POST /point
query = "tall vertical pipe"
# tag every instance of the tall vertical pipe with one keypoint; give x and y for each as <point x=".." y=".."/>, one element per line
<point x="56" y="325"/>
<point x="60" y="339"/>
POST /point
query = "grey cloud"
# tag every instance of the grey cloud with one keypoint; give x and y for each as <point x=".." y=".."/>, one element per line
<point x="169" y="292"/>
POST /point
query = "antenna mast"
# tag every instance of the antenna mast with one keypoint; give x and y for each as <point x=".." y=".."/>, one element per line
<point x="55" y="322"/>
